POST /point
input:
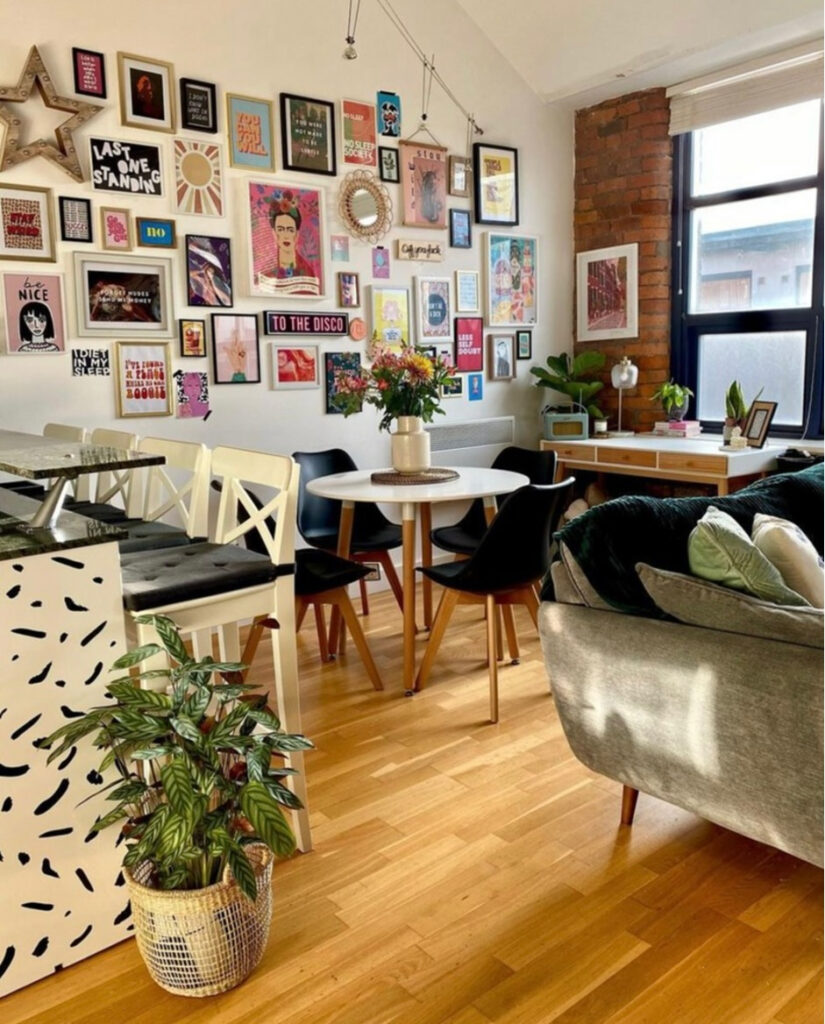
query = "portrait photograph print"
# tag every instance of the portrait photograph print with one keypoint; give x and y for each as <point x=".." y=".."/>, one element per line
<point x="235" y="355"/>
<point x="208" y="271"/>
<point x="501" y="363"/>
<point x="295" y="366"/>
<point x="607" y="303"/>
<point x="307" y="134"/>
<point x="147" y="99"/>
<point x="511" y="263"/>
<point x="142" y="385"/>
<point x="26" y="229"/>
<point x="286" y="240"/>
<point x="123" y="295"/>
<point x="35" y="319"/>
<point x="198" y="106"/>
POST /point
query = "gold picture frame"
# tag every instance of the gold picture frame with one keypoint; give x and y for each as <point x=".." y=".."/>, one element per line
<point x="147" y="94"/>
<point x="143" y="383"/>
<point x="24" y="206"/>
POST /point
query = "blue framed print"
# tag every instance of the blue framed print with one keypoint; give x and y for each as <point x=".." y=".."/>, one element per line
<point x="475" y="387"/>
<point x="249" y="127"/>
<point x="152" y="231"/>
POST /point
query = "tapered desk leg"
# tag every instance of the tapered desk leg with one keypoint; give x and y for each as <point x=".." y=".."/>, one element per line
<point x="490" y="509"/>
<point x="344" y="541"/>
<point x="425" y="512"/>
<point x="408" y="584"/>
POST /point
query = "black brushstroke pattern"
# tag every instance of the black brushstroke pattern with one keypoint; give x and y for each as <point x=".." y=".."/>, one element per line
<point x="23" y="857"/>
<point x="94" y="777"/>
<point x="84" y="934"/>
<point x="120" y="880"/>
<point x="64" y="637"/>
<point x="26" y="725"/>
<point x="13" y="771"/>
<point x="38" y="744"/>
<point x="41" y="675"/>
<point x="37" y="906"/>
<point x="3" y="711"/>
<point x="8" y="803"/>
<point x="41" y="946"/>
<point x="90" y="636"/>
<point x="15" y="590"/>
<point x="69" y="561"/>
<point x="47" y="869"/>
<point x="50" y="801"/>
<point x="73" y="606"/>
<point x="67" y="760"/>
<point x="17" y="567"/>
<point x="97" y="579"/>
<point x="14" y="657"/>
<point x="124" y="914"/>
<point x="67" y="712"/>
<point x="54" y="832"/>
<point x="84" y="878"/>
<point x="36" y="604"/>
<point x="94" y="675"/>
<point x="5" y="963"/>
<point x="60" y="682"/>
<point x="35" y="634"/>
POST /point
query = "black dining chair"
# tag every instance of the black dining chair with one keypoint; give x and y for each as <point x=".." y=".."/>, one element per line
<point x="512" y="556"/>
<point x="463" y="537"/>
<point x="373" y="535"/>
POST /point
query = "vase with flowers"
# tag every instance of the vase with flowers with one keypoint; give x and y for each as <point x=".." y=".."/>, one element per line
<point x="406" y="387"/>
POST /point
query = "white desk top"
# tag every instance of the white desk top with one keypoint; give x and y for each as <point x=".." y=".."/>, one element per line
<point x="472" y="482"/>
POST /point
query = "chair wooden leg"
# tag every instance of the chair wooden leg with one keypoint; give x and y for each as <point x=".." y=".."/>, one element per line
<point x="385" y="560"/>
<point x="321" y="629"/>
<point x="341" y="599"/>
<point x="499" y="646"/>
<point x="365" y="601"/>
<point x="629" y="798"/>
<point x="493" y="638"/>
<point x="510" y="633"/>
<point x="300" y="613"/>
<point x="531" y="603"/>
<point x="446" y="606"/>
<point x="253" y="640"/>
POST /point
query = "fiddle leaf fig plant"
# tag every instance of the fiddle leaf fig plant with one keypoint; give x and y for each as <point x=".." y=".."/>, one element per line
<point x="211" y="777"/>
<point x="572" y="378"/>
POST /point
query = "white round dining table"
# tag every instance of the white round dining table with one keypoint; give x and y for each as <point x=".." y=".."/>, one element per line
<point x="415" y="501"/>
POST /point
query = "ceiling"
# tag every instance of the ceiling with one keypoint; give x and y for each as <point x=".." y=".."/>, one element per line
<point x="585" y="51"/>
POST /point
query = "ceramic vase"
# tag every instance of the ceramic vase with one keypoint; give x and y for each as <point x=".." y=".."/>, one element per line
<point x="410" y="445"/>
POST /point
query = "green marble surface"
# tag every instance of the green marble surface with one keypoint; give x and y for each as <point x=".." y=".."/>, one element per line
<point x="19" y="540"/>
<point x="37" y="458"/>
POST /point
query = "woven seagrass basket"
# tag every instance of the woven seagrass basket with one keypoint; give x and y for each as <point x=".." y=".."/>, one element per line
<point x="199" y="942"/>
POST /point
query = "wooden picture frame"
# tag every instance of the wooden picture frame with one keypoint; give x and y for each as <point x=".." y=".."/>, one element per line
<point x="249" y="128"/>
<point x="461" y="232"/>
<point x="198" y="105"/>
<point x="758" y="423"/>
<point x="115" y="229"/>
<point x="511" y="264"/>
<point x="495" y="180"/>
<point x="26" y="225"/>
<point x="461" y="175"/>
<point x="295" y="367"/>
<point x="423" y="185"/>
<point x="349" y="289"/>
<point x="143" y="385"/>
<point x="123" y="295"/>
<point x="501" y="356"/>
<point x="192" y="334"/>
<point x="147" y="95"/>
<point x="607" y="293"/>
<point x="234" y="336"/>
<point x="524" y="345"/>
<point x="308" y="134"/>
<point x="75" y="215"/>
<point x="388" y="167"/>
<point x="89" y="68"/>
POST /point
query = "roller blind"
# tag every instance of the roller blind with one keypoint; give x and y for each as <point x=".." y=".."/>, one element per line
<point x="765" y="83"/>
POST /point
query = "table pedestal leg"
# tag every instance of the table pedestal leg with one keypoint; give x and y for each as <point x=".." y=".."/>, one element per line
<point x="427" y="560"/>
<point x="408" y="584"/>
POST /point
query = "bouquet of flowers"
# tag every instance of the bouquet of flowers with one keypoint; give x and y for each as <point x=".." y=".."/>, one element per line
<point x="406" y="383"/>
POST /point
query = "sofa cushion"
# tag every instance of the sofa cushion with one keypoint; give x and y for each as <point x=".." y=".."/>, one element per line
<point x="610" y="539"/>
<point x="700" y="603"/>
<point x="787" y="548"/>
<point x="719" y="550"/>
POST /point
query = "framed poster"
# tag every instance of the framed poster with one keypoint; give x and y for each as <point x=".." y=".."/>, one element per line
<point x="75" y="219"/>
<point x="235" y="354"/>
<point x="388" y="169"/>
<point x="524" y="344"/>
<point x="126" y="167"/>
<point x="388" y="110"/>
<point x="286" y="240"/>
<point x="115" y="229"/>
<point x="35" y="317"/>
<point x="349" y="290"/>
<point x="198" y="179"/>
<point x="358" y="133"/>
<point x="460" y="230"/>
<point x="192" y="338"/>
<point x="198" y="106"/>
<point x="307" y="134"/>
<point x="452" y="388"/>
<point x="249" y="128"/>
<point x="461" y="170"/>
<point x="758" y="422"/>
<point x="26" y="230"/>
<point x="142" y="386"/>
<point x="191" y="395"/>
<point x="390" y="316"/>
<point x="156" y="232"/>
<point x="208" y="271"/>
<point x="423" y="185"/>
<point x="511" y="264"/>
<point x="89" y="73"/>
<point x="433" y="299"/>
<point x="466" y="291"/>
<point x="295" y="366"/>
<point x="475" y="387"/>
<point x="501" y="357"/>
<point x="495" y="176"/>
<point x="323" y="324"/>
<point x="147" y="98"/>
<point x="607" y="293"/>
<point x="123" y="295"/>
<point x="335" y="363"/>
<point x="469" y="344"/>
<point x="339" y="248"/>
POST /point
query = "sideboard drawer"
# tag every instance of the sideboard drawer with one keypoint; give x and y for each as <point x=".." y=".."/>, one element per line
<point x="696" y="463"/>
<point x="579" y="453"/>
<point x="627" y="457"/>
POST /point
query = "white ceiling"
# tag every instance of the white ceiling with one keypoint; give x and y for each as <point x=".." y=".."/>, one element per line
<point x="585" y="51"/>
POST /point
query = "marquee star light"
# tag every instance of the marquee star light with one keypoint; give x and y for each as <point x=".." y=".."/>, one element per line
<point x="64" y="154"/>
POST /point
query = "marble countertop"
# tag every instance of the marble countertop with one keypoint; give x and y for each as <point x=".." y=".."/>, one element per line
<point x="37" y="458"/>
<point x="19" y="540"/>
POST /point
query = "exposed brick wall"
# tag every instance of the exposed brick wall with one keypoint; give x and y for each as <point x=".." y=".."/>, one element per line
<point x="623" y="190"/>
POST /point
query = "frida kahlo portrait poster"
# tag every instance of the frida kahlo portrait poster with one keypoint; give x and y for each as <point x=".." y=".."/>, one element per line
<point x="286" y="240"/>
<point x="34" y="313"/>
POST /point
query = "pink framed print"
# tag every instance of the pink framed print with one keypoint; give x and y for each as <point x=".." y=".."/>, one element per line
<point x="286" y="240"/>
<point x="35" y="319"/>
<point x="423" y="185"/>
<point x="115" y="229"/>
<point x="469" y="344"/>
<point x="295" y="366"/>
<point x="607" y="293"/>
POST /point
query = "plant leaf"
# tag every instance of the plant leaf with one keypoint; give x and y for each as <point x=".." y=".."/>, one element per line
<point x="137" y="655"/>
<point x="241" y="869"/>
<point x="118" y="814"/>
<point x="171" y="639"/>
<point x="186" y="728"/>
<point x="175" y="835"/>
<point x="267" y="819"/>
<point x="177" y="783"/>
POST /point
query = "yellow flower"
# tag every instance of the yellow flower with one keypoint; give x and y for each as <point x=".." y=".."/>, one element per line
<point x="419" y="365"/>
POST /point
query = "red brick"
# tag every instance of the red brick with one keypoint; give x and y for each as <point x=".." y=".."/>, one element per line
<point x="630" y="107"/>
<point x="647" y="117"/>
<point x="657" y="207"/>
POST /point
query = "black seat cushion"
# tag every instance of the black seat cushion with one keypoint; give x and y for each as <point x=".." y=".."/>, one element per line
<point x="155" y="579"/>
<point x="143" y="536"/>
<point x="316" y="571"/>
<point x="98" y="510"/>
<point x="377" y="537"/>
<point x="27" y="488"/>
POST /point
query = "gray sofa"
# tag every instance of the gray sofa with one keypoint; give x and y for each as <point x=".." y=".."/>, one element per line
<point x="725" y="724"/>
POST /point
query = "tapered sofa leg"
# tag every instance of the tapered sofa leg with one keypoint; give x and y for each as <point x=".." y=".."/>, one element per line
<point x="629" y="798"/>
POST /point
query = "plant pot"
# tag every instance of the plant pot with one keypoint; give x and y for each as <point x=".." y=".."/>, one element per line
<point x="199" y="942"/>
<point x="677" y="412"/>
<point x="410" y="445"/>
<point x="727" y="428"/>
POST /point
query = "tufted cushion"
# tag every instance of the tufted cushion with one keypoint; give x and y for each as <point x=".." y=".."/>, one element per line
<point x="101" y="511"/>
<point x="155" y="579"/>
<point x="143" y="536"/>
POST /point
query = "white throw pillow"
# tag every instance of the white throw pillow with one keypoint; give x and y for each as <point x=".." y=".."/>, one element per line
<point x="784" y="544"/>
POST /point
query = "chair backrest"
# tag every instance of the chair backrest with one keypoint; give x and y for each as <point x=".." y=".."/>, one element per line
<point x="539" y="467"/>
<point x="65" y="432"/>
<point x="317" y="516"/>
<point x="515" y="550"/>
<point x="122" y="484"/>
<point x="180" y="486"/>
<point x="242" y="511"/>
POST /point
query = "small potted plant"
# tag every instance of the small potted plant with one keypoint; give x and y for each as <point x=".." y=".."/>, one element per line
<point x="574" y="379"/>
<point x="675" y="399"/>
<point x="198" y="801"/>
<point x="736" y="411"/>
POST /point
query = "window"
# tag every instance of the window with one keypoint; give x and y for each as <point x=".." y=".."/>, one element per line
<point x="747" y="265"/>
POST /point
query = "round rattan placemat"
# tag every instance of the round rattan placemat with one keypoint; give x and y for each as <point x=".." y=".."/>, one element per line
<point x="425" y="476"/>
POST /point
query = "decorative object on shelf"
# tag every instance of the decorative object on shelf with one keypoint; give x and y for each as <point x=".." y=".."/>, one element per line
<point x="469" y="344"/>
<point x="35" y="317"/>
<point x="736" y="411"/>
<point x="198" y="178"/>
<point x="191" y="395"/>
<point x="388" y="112"/>
<point x="198" y="105"/>
<point x="328" y="324"/>
<point x="64" y="154"/>
<point x="760" y="416"/>
<point x="349" y="290"/>
<point x="142" y="379"/>
<point x="131" y="167"/>
<point x="365" y="206"/>
<point x="26" y="228"/>
<point x="466" y="291"/>
<point x="390" y="316"/>
<point x="423" y="184"/>
<point x="75" y="219"/>
<point x="674" y="398"/>
<point x="210" y="944"/>
<point x="156" y="232"/>
<point x="115" y="229"/>
<point x="192" y="338"/>
<point x="512" y="266"/>
<point x="336" y="363"/>
<point x="623" y="375"/>
<point x="235" y="354"/>
<point x="208" y="270"/>
<point x="147" y="97"/>
<point x="123" y="295"/>
<point x="307" y="134"/>
<point x="495" y="176"/>
<point x="286" y="240"/>
<point x="461" y="171"/>
<point x="461" y="236"/>
<point x="607" y="293"/>
<point x="249" y="129"/>
<point x="573" y="379"/>
<point x="414" y="250"/>
<point x="501" y="357"/>
<point x="89" y="72"/>
<point x="433" y="300"/>
<point x="295" y="366"/>
<point x="388" y="169"/>
<point x="524" y="344"/>
<point x="359" y="143"/>
<point x="736" y="442"/>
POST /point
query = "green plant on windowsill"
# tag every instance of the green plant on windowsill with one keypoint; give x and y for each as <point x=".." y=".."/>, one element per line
<point x="573" y="378"/>
<point x="674" y="399"/>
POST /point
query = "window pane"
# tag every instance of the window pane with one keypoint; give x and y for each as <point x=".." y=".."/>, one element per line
<point x="774" y="361"/>
<point x="780" y="145"/>
<point x="753" y="255"/>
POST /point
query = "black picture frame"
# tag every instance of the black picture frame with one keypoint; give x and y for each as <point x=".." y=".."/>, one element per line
<point x="388" y="166"/>
<point x="219" y="341"/>
<point x="482" y="187"/>
<point x="461" y="231"/>
<point x="524" y="345"/>
<point x="300" y="154"/>
<point x="208" y="271"/>
<point x="194" y="114"/>
<point x="758" y="423"/>
<point x="67" y="232"/>
<point x="186" y="344"/>
<point x="78" y="53"/>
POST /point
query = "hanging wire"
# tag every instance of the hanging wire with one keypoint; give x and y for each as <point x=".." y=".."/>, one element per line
<point x="352" y="23"/>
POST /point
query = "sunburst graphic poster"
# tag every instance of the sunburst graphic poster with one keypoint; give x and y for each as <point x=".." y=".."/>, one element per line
<point x="198" y="181"/>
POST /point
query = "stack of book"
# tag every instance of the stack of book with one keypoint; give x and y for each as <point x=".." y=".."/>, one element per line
<point x="678" y="428"/>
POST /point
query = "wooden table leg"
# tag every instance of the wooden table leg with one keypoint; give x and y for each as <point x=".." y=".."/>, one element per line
<point x="426" y="524"/>
<point x="344" y="541"/>
<point x="408" y="584"/>
<point x="490" y="509"/>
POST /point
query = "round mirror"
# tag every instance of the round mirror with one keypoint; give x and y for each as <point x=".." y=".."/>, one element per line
<point x="365" y="206"/>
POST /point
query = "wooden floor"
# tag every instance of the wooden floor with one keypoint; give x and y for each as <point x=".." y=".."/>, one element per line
<point x="465" y="873"/>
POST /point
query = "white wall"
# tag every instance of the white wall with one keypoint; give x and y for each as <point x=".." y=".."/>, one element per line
<point x="260" y="50"/>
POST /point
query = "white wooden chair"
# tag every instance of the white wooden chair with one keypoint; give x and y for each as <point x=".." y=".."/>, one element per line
<point x="65" y="432"/>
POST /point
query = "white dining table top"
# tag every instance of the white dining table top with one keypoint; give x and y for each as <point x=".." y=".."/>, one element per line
<point x="472" y="482"/>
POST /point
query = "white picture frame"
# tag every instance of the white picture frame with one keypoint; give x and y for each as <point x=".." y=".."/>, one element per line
<point x="434" y="309"/>
<point x="467" y="291"/>
<point x="123" y="295"/>
<point x="511" y="271"/>
<point x="291" y="365"/>
<point x="607" y="293"/>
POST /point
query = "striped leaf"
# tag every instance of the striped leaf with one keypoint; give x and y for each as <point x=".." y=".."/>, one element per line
<point x="178" y="785"/>
<point x="241" y="869"/>
<point x="136" y="656"/>
<point x="187" y="729"/>
<point x="175" y="835"/>
<point x="267" y="819"/>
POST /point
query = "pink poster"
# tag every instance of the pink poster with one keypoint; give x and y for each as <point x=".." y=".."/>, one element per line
<point x="286" y="240"/>
<point x="358" y="127"/>
<point x="34" y="313"/>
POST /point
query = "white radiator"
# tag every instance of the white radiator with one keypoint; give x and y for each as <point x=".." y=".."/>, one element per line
<point x="474" y="443"/>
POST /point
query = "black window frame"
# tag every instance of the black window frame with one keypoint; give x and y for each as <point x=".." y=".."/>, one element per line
<point x="686" y="327"/>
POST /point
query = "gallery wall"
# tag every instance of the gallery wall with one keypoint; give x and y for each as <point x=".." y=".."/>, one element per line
<point x="260" y="51"/>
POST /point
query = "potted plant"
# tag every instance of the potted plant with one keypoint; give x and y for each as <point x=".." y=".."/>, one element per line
<point x="736" y="411"/>
<point x="675" y="399"/>
<point x="574" y="379"/>
<point x="198" y="802"/>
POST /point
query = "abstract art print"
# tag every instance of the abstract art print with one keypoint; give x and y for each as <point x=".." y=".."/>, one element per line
<point x="35" y="321"/>
<point x="235" y="354"/>
<point x="390" y="317"/>
<point x="388" y="110"/>
<point x="337" y="363"/>
<point x="495" y="176"/>
<point x="286" y="240"/>
<point x="511" y="264"/>
<point x="208" y="270"/>
<point x="198" y="180"/>
<point x="295" y="366"/>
